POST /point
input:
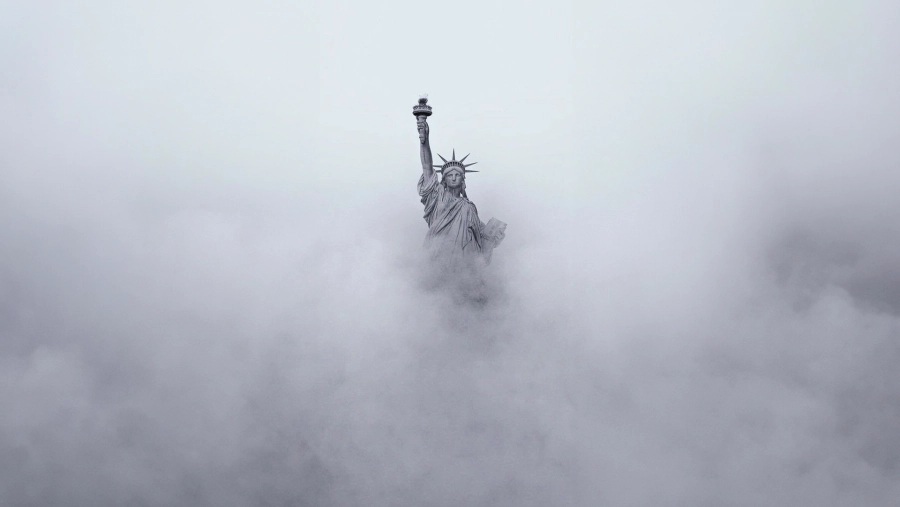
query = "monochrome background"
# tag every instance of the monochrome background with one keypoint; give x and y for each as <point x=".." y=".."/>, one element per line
<point x="210" y="292"/>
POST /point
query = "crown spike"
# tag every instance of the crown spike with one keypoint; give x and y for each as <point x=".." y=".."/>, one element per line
<point x="467" y="165"/>
<point x="454" y="154"/>
<point x="442" y="158"/>
<point x="464" y="158"/>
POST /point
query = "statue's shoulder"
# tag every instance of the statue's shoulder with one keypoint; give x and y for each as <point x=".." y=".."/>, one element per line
<point x="428" y="186"/>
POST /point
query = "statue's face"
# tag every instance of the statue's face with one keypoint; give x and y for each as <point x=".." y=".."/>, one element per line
<point x="453" y="180"/>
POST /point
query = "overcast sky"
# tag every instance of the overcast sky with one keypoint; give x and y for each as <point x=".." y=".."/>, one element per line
<point x="210" y="292"/>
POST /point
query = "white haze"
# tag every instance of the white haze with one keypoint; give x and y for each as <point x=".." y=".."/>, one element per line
<point x="210" y="293"/>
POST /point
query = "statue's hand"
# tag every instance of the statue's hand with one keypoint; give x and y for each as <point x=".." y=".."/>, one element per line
<point x="423" y="130"/>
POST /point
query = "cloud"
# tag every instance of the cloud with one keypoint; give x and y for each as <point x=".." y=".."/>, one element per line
<point x="211" y="290"/>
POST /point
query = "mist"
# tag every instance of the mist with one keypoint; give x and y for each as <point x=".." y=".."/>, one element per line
<point x="212" y="290"/>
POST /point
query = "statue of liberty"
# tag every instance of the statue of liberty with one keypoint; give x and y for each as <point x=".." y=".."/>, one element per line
<point x="455" y="236"/>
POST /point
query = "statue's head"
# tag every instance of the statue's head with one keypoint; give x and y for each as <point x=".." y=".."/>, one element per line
<point x="454" y="179"/>
<point x="454" y="172"/>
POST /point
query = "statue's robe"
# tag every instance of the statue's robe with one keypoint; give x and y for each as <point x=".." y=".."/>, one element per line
<point x="454" y="230"/>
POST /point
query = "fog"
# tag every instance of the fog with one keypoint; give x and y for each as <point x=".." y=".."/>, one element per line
<point x="211" y="288"/>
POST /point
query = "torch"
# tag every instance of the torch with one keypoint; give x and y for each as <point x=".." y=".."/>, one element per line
<point x="422" y="111"/>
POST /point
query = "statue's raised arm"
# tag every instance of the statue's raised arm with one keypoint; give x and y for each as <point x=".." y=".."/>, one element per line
<point x="422" y="111"/>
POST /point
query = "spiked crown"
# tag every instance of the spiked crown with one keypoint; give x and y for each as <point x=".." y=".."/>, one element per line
<point x="454" y="163"/>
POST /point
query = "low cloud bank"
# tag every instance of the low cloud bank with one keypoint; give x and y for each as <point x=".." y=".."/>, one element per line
<point x="204" y="358"/>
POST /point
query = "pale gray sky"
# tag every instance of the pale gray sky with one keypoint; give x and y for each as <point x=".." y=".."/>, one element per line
<point x="209" y="292"/>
